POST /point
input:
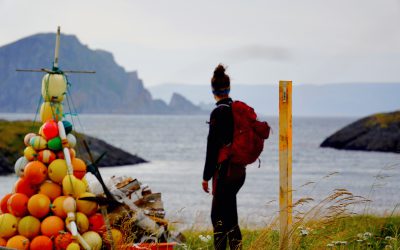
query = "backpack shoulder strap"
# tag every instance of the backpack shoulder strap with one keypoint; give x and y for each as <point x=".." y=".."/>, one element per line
<point x="223" y="105"/>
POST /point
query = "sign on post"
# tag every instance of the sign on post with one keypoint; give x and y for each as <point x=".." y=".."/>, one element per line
<point x="285" y="163"/>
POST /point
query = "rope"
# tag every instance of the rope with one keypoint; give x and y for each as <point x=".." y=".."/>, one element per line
<point x="36" y="114"/>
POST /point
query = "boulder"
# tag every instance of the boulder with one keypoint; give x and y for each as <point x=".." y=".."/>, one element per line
<point x="378" y="132"/>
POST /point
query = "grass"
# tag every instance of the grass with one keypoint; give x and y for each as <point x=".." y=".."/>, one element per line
<point x="325" y="224"/>
<point x="12" y="139"/>
<point x="383" y="120"/>
<point x="347" y="232"/>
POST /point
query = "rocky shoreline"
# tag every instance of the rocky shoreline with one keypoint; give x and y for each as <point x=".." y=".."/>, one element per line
<point x="378" y="132"/>
<point x="12" y="146"/>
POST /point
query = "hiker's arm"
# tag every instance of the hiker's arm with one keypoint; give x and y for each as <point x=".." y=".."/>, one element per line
<point x="212" y="150"/>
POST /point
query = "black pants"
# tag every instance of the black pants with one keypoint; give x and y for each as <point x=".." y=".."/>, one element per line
<point x="224" y="215"/>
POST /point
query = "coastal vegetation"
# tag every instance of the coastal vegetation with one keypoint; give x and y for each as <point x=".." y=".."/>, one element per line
<point x="346" y="232"/>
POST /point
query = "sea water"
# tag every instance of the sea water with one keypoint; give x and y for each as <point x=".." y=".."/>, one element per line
<point x="175" y="147"/>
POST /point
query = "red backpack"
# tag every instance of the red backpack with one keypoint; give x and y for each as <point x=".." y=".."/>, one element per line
<point x="248" y="136"/>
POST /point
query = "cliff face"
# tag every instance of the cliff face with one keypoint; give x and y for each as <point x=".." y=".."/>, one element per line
<point x="110" y="90"/>
<point x="379" y="132"/>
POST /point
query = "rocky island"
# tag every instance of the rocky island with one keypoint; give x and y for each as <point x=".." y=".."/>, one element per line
<point x="378" y="132"/>
<point x="12" y="146"/>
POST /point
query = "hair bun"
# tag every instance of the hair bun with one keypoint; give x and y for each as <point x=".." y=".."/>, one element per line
<point x="219" y="71"/>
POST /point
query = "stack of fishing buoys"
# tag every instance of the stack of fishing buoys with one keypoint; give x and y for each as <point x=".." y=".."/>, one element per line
<point x="43" y="206"/>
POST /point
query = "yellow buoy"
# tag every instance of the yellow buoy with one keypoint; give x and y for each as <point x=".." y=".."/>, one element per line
<point x="72" y="186"/>
<point x="30" y="154"/>
<point x="73" y="246"/>
<point x="86" y="207"/>
<point x="93" y="239"/>
<point x="82" y="222"/>
<point x="29" y="227"/>
<point x="57" y="170"/>
<point x="8" y="225"/>
<point x="54" y="87"/>
<point x="38" y="142"/>
<point x="51" y="110"/>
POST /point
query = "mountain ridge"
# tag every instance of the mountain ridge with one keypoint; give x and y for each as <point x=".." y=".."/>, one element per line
<point x="111" y="90"/>
<point x="334" y="99"/>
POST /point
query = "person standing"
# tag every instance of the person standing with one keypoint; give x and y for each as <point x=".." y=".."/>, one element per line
<point x="227" y="178"/>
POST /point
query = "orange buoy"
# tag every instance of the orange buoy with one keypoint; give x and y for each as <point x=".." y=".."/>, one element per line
<point x="87" y="207"/>
<point x="41" y="242"/>
<point x="29" y="227"/>
<point x="22" y="185"/>
<point x="3" y="242"/>
<point x="57" y="207"/>
<point x="62" y="241"/>
<point x="57" y="170"/>
<point x="50" y="189"/>
<point x="8" y="225"/>
<point x="46" y="156"/>
<point x="3" y="203"/>
<point x="17" y="204"/>
<point x="18" y="242"/>
<point x="79" y="167"/>
<point x="39" y="205"/>
<point x="35" y="172"/>
<point x="51" y="226"/>
<point x="96" y="223"/>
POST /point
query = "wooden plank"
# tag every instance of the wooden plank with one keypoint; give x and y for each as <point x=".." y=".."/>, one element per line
<point x="285" y="163"/>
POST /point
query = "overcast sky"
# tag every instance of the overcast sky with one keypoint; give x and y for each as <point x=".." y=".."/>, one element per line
<point x="326" y="41"/>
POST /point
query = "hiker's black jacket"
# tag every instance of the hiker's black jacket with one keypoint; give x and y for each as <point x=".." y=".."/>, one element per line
<point x="220" y="133"/>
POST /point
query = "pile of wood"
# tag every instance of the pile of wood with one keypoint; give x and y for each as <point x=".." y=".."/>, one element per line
<point x="142" y="213"/>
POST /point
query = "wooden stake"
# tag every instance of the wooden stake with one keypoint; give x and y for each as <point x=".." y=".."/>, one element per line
<point x="285" y="164"/>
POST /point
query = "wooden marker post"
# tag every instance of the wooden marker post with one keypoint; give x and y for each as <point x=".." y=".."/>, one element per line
<point x="285" y="164"/>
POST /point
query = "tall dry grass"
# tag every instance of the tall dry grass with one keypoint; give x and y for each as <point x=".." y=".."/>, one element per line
<point x="328" y="223"/>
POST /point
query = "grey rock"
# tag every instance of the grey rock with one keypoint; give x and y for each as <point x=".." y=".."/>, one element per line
<point x="378" y="132"/>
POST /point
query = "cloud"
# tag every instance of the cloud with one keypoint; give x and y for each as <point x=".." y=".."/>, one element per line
<point x="257" y="52"/>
